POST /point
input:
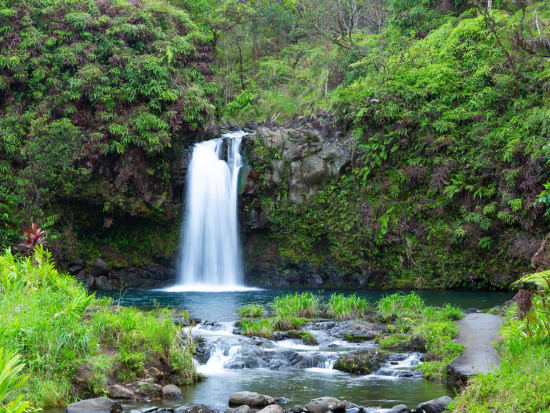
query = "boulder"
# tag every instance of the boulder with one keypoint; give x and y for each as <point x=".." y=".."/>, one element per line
<point x="76" y="265"/>
<point x="250" y="399"/>
<point x="240" y="409"/>
<point x="98" y="405"/>
<point x="171" y="392"/>
<point x="324" y="404"/>
<point x="102" y="283"/>
<point x="361" y="362"/>
<point x="274" y="408"/>
<point x="400" y="408"/>
<point x="311" y="153"/>
<point x="99" y="267"/>
<point x="121" y="392"/>
<point x="356" y="331"/>
<point x="434" y="406"/>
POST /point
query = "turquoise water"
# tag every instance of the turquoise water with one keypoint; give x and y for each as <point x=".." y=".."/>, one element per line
<point x="223" y="306"/>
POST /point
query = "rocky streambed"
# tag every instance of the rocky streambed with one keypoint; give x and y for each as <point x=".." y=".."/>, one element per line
<point x="342" y="365"/>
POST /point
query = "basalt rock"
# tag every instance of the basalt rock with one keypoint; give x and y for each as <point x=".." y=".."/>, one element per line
<point x="309" y="151"/>
<point x="274" y="408"/>
<point x="250" y="399"/>
<point x="98" y="405"/>
<point x="325" y="404"/>
<point x="171" y="392"/>
<point x="240" y="409"/>
<point x="197" y="408"/>
<point x="361" y="362"/>
<point x="120" y="392"/>
<point x="434" y="406"/>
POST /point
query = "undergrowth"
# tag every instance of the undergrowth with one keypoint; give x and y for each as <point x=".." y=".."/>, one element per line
<point x="60" y="331"/>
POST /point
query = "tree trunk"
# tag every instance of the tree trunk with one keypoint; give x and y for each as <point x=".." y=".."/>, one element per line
<point x="241" y="75"/>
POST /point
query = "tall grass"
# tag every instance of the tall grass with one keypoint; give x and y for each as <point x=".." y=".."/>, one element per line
<point x="56" y="327"/>
<point x="346" y="308"/>
<point x="251" y="310"/>
<point x="257" y="328"/>
<point x="399" y="303"/>
<point x="300" y="305"/>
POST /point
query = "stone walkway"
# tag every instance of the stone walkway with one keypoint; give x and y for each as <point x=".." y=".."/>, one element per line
<point x="477" y="332"/>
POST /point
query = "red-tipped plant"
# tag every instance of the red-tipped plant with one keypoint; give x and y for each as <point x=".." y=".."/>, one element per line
<point x="34" y="237"/>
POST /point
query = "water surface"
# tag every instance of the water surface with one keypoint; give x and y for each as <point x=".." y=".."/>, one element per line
<point x="223" y="306"/>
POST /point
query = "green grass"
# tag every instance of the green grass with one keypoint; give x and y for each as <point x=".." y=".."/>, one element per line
<point x="299" y="305"/>
<point x="346" y="308"/>
<point x="59" y="330"/>
<point x="417" y="323"/>
<point x="284" y="322"/>
<point x="251" y="310"/>
<point x="257" y="328"/>
<point x="400" y="303"/>
<point x="520" y="384"/>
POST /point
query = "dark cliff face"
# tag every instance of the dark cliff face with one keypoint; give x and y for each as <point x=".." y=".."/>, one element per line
<point x="288" y="165"/>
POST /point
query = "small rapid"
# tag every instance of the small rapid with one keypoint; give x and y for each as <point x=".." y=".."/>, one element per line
<point x="292" y="369"/>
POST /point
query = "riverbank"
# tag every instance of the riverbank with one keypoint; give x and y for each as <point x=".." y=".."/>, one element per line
<point x="520" y="383"/>
<point x="75" y="345"/>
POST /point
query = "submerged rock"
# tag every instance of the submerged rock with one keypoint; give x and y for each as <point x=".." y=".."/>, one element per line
<point x="400" y="408"/>
<point x="97" y="405"/>
<point x="197" y="408"/>
<point x="325" y="404"/>
<point x="251" y="399"/>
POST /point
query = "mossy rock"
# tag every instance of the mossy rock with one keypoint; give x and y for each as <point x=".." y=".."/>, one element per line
<point x="363" y="362"/>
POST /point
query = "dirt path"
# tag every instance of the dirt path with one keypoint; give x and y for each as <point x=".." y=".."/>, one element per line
<point x="477" y="332"/>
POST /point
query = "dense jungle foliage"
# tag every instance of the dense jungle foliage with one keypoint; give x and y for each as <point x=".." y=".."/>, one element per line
<point x="448" y="107"/>
<point x="446" y="102"/>
<point x="94" y="95"/>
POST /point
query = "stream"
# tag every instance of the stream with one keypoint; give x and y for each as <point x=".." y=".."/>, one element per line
<point x="288" y="368"/>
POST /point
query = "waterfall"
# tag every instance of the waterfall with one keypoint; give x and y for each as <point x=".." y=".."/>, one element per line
<point x="210" y="254"/>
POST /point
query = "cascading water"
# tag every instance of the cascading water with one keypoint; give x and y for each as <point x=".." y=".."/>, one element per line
<point x="210" y="254"/>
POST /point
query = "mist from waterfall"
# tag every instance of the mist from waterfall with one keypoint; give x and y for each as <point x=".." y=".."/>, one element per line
<point x="210" y="257"/>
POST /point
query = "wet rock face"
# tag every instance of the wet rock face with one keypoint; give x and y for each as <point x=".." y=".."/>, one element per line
<point x="309" y="151"/>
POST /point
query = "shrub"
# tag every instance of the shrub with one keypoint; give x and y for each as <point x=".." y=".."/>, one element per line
<point x="11" y="379"/>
